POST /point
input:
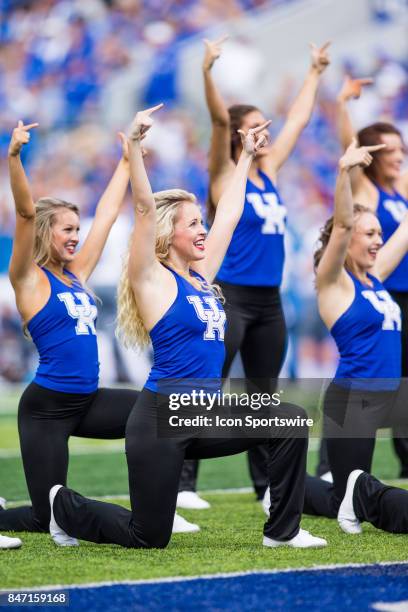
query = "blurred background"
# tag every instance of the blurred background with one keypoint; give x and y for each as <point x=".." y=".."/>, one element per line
<point x="82" y="69"/>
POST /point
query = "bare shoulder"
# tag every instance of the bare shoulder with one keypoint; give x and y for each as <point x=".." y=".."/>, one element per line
<point x="32" y="294"/>
<point x="334" y="299"/>
<point x="155" y="294"/>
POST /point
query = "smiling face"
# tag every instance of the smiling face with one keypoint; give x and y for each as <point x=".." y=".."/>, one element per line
<point x="65" y="235"/>
<point x="188" y="241"/>
<point x="390" y="160"/>
<point x="365" y="242"/>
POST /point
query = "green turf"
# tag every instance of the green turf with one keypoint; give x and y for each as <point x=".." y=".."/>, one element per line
<point x="229" y="541"/>
<point x="230" y="537"/>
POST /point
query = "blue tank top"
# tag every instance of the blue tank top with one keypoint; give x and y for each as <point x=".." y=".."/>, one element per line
<point x="255" y="256"/>
<point x="64" y="334"/>
<point x="188" y="341"/>
<point x="391" y="210"/>
<point x="368" y="336"/>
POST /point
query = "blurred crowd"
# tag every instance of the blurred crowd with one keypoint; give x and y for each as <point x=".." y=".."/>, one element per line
<point x="76" y="66"/>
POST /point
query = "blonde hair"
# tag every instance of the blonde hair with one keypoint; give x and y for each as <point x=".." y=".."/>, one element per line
<point x="130" y="328"/>
<point x="45" y="214"/>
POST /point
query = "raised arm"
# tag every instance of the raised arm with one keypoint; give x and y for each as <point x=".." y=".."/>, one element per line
<point x="331" y="266"/>
<point x="391" y="253"/>
<point x="22" y="268"/>
<point x="106" y="214"/>
<point x="299" y="113"/>
<point x="351" y="90"/>
<point x="231" y="204"/>
<point x="221" y="165"/>
<point x="142" y="256"/>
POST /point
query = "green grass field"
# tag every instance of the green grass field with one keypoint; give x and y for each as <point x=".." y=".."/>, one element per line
<point x="231" y="531"/>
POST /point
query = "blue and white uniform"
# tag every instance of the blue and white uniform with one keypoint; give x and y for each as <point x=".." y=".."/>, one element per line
<point x="368" y="336"/>
<point x="63" y="399"/>
<point x="391" y="210"/>
<point x="250" y="277"/>
<point x="256" y="255"/>
<point x="64" y="334"/>
<point x="188" y="341"/>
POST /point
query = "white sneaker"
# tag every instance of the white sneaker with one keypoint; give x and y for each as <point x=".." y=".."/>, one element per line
<point x="58" y="535"/>
<point x="6" y="542"/>
<point x="266" y="502"/>
<point x="180" y="525"/>
<point x="346" y="517"/>
<point x="327" y="476"/>
<point x="190" y="500"/>
<point x="303" y="539"/>
<point x="3" y="503"/>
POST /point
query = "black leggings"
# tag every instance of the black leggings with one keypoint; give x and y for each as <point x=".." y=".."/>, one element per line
<point x="46" y="420"/>
<point x="399" y="440"/>
<point x="256" y="328"/>
<point x="350" y="424"/>
<point x="155" y="464"/>
<point x="401" y="443"/>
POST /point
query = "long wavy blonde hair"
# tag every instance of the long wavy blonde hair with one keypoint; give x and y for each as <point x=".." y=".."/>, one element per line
<point x="46" y="210"/>
<point x="130" y="328"/>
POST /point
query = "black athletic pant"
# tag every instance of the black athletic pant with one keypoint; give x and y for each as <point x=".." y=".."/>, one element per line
<point x="400" y="441"/>
<point x="351" y="421"/>
<point x="46" y="420"/>
<point x="256" y="328"/>
<point x="155" y="464"/>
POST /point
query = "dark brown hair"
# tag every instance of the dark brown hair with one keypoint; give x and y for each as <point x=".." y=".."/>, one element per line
<point x="326" y="231"/>
<point x="371" y="135"/>
<point x="236" y="113"/>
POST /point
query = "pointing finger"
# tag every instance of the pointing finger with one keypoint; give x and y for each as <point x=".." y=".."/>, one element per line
<point x="222" y="40"/>
<point x="262" y="127"/>
<point x="30" y="126"/>
<point x="376" y="147"/>
<point x="153" y="109"/>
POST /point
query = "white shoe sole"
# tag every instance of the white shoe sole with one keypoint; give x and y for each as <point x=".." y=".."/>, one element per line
<point x="303" y="540"/>
<point x="346" y="517"/>
<point x="58" y="535"/>
<point x="193" y="502"/>
<point x="6" y="542"/>
<point x="181" y="525"/>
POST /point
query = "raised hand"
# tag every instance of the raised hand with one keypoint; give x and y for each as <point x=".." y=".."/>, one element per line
<point x="320" y="57"/>
<point x="212" y="51"/>
<point x="20" y="137"/>
<point x="255" y="139"/>
<point x="142" y="123"/>
<point x="352" y="88"/>
<point x="358" y="156"/>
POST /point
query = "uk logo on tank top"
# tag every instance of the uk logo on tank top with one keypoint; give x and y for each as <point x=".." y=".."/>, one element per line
<point x="83" y="311"/>
<point x="384" y="304"/>
<point x="209" y="312"/>
<point x="267" y="207"/>
<point x="396" y="208"/>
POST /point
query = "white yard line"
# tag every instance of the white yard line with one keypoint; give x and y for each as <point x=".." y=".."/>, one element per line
<point x="205" y="576"/>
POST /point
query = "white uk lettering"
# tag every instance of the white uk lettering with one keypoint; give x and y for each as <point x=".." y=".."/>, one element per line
<point x="85" y="313"/>
<point x="384" y="304"/>
<point x="214" y="316"/>
<point x="397" y="209"/>
<point x="268" y="208"/>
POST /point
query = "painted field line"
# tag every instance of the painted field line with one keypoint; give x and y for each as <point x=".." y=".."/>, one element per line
<point x="314" y="568"/>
